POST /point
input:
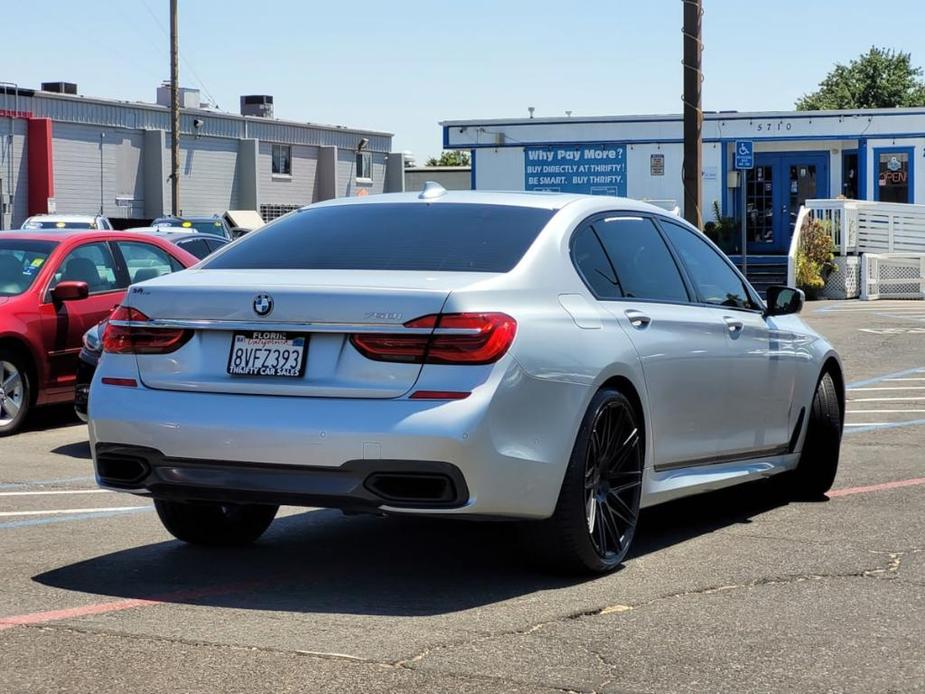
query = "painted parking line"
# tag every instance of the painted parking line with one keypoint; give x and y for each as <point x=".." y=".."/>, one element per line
<point x="119" y="605"/>
<point x="53" y="520"/>
<point x="883" y="411"/>
<point x="41" y="483"/>
<point x="878" y="379"/>
<point x="855" y="390"/>
<point x="876" y="487"/>
<point x="57" y="491"/>
<point x="71" y="511"/>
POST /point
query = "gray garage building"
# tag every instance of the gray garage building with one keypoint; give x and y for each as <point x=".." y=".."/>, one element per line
<point x="67" y="153"/>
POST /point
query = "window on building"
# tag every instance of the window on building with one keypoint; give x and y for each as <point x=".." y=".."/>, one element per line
<point x="282" y="160"/>
<point x="894" y="175"/>
<point x="364" y="165"/>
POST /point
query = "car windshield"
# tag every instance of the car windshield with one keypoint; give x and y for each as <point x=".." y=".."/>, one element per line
<point x="48" y="224"/>
<point x="462" y="237"/>
<point x="20" y="262"/>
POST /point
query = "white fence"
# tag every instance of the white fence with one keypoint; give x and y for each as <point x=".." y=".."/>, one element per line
<point x="862" y="227"/>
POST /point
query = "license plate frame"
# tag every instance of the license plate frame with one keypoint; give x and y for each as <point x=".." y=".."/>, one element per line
<point x="275" y="341"/>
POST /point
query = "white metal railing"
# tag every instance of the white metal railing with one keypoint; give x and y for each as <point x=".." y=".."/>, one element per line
<point x="892" y="276"/>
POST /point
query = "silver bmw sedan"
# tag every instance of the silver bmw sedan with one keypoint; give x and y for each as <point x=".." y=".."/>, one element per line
<point x="562" y="358"/>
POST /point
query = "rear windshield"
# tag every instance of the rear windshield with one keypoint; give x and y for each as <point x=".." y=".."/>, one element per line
<point x="20" y="262"/>
<point x="391" y="236"/>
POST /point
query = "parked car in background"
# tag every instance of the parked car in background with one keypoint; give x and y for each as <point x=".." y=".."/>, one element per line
<point x="563" y="358"/>
<point x="196" y="244"/>
<point x="53" y="286"/>
<point x="214" y="225"/>
<point x="51" y="222"/>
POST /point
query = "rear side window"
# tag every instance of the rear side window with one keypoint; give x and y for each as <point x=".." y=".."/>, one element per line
<point x="145" y="262"/>
<point x="91" y="263"/>
<point x="714" y="280"/>
<point x="197" y="247"/>
<point x="593" y="265"/>
<point x="644" y="265"/>
<point x="391" y="236"/>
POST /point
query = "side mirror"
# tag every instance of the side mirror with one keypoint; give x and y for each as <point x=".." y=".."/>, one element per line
<point x="70" y="291"/>
<point x="784" y="301"/>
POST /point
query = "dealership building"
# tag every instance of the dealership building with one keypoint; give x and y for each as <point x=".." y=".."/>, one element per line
<point x="67" y="153"/>
<point x="863" y="154"/>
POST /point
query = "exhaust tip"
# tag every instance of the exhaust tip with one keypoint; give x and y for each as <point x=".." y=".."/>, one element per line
<point x="410" y="488"/>
<point x="120" y="469"/>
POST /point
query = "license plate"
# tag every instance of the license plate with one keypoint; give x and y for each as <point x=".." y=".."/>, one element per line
<point x="267" y="353"/>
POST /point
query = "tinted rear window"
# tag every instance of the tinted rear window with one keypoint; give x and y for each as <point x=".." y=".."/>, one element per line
<point x="392" y="236"/>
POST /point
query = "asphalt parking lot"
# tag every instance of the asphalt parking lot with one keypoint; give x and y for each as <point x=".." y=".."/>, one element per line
<point x="735" y="591"/>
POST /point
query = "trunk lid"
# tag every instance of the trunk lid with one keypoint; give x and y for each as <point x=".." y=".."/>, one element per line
<point x="323" y="306"/>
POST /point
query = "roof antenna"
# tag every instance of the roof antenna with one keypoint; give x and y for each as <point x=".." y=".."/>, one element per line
<point x="531" y="109"/>
<point x="432" y="190"/>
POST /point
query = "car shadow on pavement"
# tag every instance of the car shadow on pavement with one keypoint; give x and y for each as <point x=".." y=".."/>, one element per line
<point x="78" y="449"/>
<point x="50" y="417"/>
<point x="323" y="562"/>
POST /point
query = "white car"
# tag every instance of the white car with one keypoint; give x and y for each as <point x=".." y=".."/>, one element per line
<point x="50" y="222"/>
<point x="563" y="358"/>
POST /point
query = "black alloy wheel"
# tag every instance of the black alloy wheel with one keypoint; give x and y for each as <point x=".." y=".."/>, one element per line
<point x="598" y="508"/>
<point x="613" y="480"/>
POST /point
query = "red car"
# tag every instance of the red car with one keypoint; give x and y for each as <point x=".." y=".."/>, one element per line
<point x="53" y="287"/>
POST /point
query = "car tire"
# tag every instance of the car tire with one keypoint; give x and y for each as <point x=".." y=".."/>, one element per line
<point x="213" y="523"/>
<point x="16" y="394"/>
<point x="815" y="472"/>
<point x="598" y="507"/>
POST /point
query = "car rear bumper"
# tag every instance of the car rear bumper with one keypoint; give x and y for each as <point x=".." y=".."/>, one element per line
<point x="357" y="485"/>
<point x="502" y="451"/>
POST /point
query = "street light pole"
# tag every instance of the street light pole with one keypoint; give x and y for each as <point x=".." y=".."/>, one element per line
<point x="693" y="113"/>
<point x="174" y="114"/>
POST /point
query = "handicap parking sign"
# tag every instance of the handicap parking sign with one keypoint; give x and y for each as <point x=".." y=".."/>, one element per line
<point x="745" y="154"/>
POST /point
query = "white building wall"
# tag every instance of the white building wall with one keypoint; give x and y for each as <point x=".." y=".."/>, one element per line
<point x="208" y="175"/>
<point x="297" y="189"/>
<point x="499" y="169"/>
<point x="13" y="172"/>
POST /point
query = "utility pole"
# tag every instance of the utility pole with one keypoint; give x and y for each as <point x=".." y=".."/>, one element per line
<point x="693" y="113"/>
<point x="174" y="114"/>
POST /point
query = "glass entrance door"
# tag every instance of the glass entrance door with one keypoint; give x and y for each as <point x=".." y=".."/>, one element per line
<point x="776" y="188"/>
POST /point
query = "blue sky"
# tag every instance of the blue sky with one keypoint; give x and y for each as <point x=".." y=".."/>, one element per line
<point x="403" y="66"/>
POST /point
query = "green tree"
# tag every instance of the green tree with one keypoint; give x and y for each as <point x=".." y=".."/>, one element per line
<point x="452" y="158"/>
<point x="880" y="78"/>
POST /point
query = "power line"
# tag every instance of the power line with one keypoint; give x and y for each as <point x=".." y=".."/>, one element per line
<point x="186" y="62"/>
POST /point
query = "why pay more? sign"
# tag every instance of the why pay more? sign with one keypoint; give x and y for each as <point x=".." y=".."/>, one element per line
<point x="592" y="169"/>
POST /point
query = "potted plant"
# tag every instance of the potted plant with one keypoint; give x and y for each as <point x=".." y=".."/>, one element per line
<point x="815" y="259"/>
<point x="723" y="232"/>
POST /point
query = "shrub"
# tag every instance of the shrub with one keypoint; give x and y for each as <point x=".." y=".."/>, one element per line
<point x="815" y="256"/>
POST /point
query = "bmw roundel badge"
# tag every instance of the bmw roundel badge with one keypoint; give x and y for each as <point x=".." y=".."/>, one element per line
<point x="263" y="304"/>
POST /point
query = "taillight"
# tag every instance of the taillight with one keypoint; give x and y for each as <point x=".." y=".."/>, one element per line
<point x="140" y="339"/>
<point x="455" y="338"/>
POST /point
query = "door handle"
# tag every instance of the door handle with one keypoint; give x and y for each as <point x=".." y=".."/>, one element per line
<point x="733" y="325"/>
<point x="638" y="319"/>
